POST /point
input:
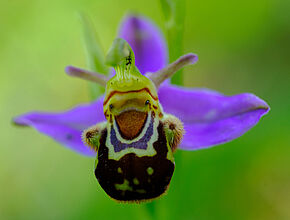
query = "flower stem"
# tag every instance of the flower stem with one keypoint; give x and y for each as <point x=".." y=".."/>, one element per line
<point x="174" y="11"/>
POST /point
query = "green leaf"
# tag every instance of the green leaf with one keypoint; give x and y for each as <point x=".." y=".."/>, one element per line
<point x="94" y="54"/>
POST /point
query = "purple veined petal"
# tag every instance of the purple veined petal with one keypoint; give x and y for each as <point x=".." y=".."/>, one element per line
<point x="211" y="118"/>
<point x="146" y="41"/>
<point x="66" y="127"/>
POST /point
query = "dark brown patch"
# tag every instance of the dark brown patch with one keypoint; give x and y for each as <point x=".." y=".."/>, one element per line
<point x="131" y="123"/>
<point x="172" y="126"/>
<point x="89" y="135"/>
<point x="132" y="166"/>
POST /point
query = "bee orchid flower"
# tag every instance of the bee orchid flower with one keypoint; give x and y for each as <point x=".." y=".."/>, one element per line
<point x="209" y="117"/>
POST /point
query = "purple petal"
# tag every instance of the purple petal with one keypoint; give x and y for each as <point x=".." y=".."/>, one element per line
<point x="146" y="41"/>
<point x="209" y="117"/>
<point x="66" y="127"/>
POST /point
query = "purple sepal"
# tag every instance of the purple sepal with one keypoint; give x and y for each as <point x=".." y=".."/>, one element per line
<point x="209" y="117"/>
<point x="66" y="127"/>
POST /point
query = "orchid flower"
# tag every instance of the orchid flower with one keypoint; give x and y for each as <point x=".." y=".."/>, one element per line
<point x="209" y="117"/>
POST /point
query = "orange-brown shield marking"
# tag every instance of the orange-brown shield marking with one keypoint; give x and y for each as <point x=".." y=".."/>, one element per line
<point x="131" y="123"/>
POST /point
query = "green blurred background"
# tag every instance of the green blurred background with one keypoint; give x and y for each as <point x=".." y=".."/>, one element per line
<point x="243" y="46"/>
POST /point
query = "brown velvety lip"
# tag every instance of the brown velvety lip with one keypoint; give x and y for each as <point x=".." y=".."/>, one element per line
<point x="131" y="123"/>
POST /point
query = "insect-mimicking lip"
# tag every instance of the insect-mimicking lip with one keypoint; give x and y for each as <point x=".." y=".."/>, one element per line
<point x="133" y="178"/>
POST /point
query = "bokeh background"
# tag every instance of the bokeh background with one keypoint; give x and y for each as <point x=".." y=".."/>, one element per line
<point x="243" y="46"/>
